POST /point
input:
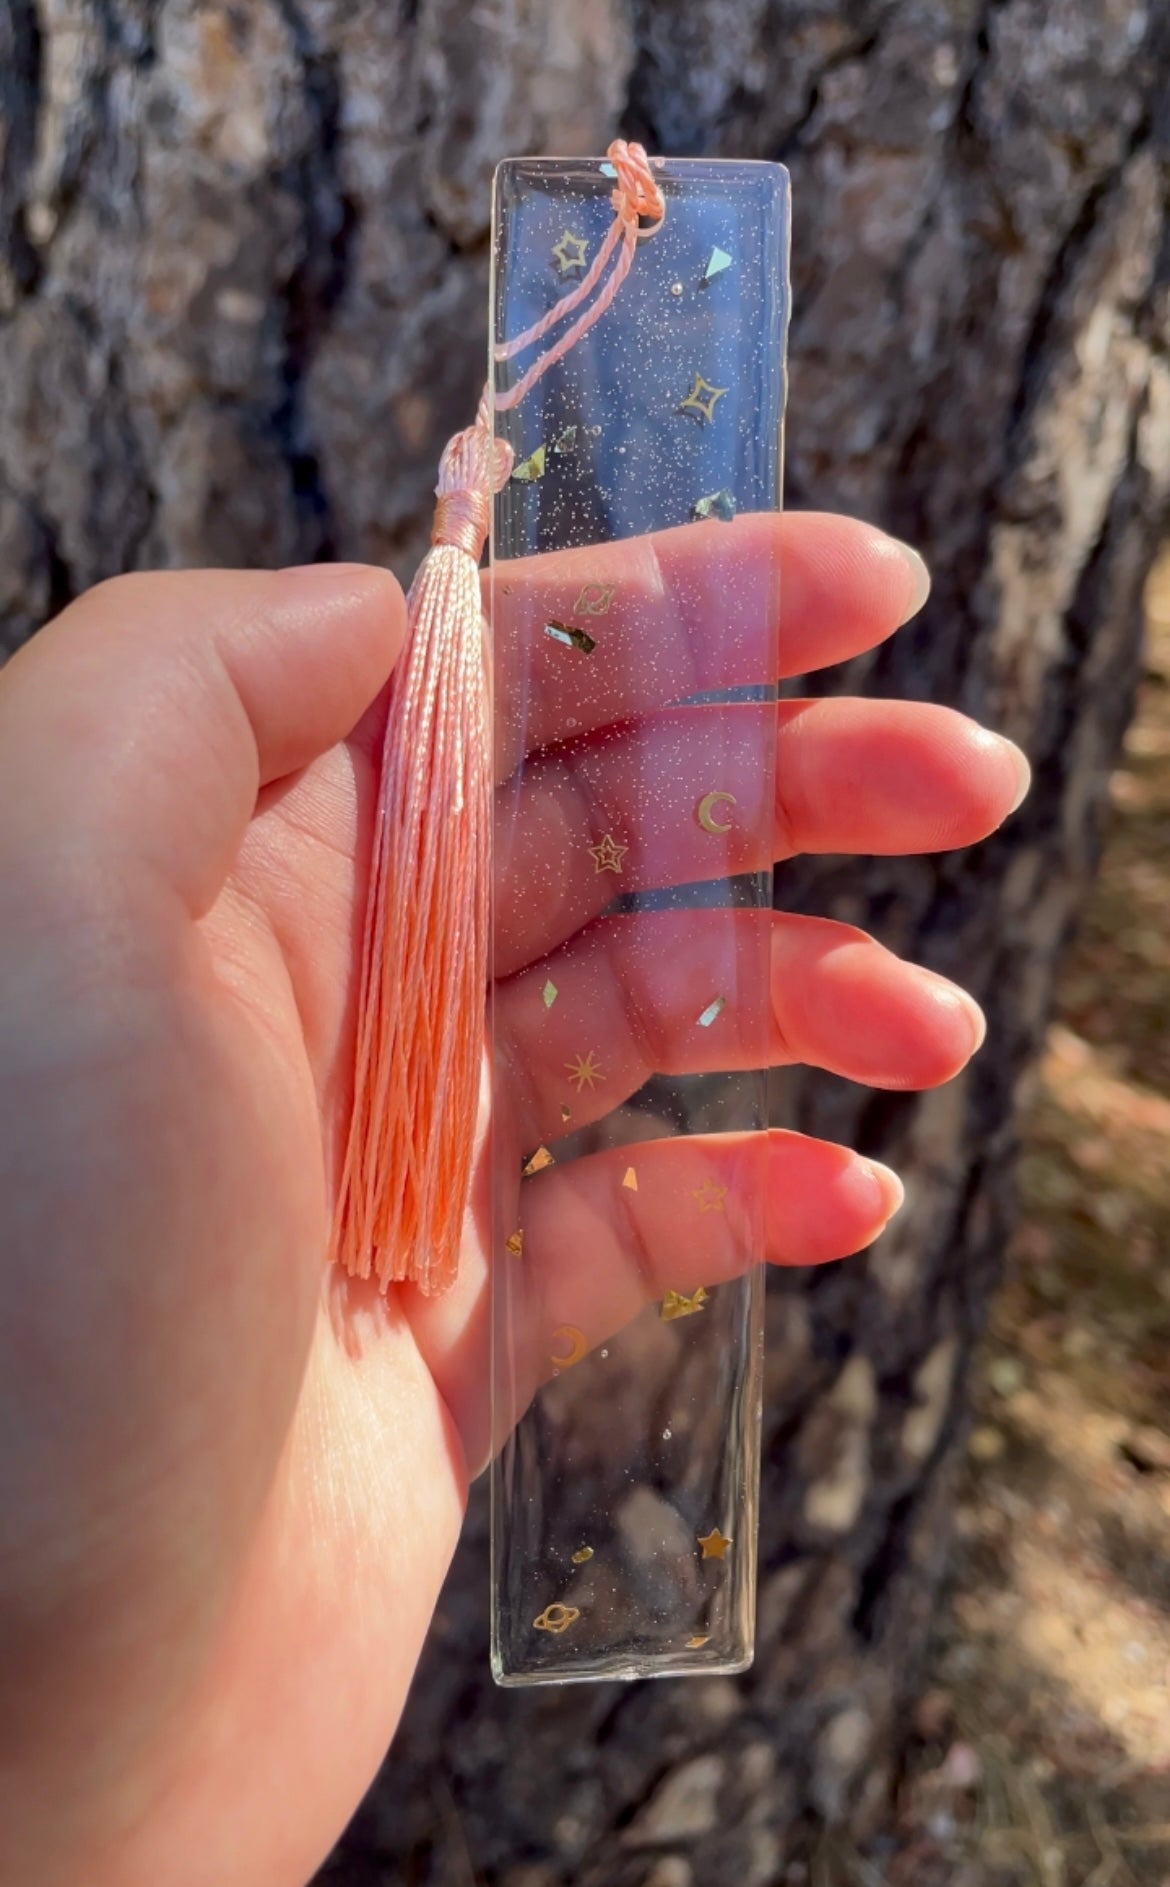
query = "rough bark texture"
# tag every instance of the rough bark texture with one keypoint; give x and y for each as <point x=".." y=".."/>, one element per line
<point x="243" y="256"/>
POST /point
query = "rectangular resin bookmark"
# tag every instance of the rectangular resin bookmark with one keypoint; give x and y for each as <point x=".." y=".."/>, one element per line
<point x="639" y="322"/>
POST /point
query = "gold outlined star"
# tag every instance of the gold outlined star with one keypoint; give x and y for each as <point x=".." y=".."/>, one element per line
<point x="709" y="1196"/>
<point x="584" y="1070"/>
<point x="715" y="1544"/>
<point x="607" y="855"/>
<point x="703" y="409"/>
<point x="570" y="252"/>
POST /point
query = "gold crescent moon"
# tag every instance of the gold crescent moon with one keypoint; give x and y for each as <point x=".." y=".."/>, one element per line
<point x="577" y="1345"/>
<point x="705" y="816"/>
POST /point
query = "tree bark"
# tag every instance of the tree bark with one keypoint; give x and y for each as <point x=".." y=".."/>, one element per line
<point x="243" y="260"/>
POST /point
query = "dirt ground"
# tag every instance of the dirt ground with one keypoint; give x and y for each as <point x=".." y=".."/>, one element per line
<point x="1043" y="1745"/>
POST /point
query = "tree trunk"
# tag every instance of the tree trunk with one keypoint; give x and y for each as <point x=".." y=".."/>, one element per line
<point x="243" y="259"/>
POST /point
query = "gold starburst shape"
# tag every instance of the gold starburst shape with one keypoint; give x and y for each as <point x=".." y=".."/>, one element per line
<point x="607" y="855"/>
<point x="715" y="1544"/>
<point x="677" y="1304"/>
<point x="702" y="399"/>
<point x="585" y="1070"/>
<point x="709" y="1197"/>
<point x="570" y="252"/>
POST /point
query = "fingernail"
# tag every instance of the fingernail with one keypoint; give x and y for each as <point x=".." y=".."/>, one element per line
<point x="1023" y="771"/>
<point x="889" y="1185"/>
<point x="976" y="1018"/>
<point x="920" y="578"/>
<point x="323" y="572"/>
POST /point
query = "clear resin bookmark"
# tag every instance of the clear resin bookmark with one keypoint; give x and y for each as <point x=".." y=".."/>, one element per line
<point x="634" y="606"/>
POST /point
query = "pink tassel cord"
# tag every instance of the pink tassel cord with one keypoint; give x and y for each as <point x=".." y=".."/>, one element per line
<point x="405" y="1178"/>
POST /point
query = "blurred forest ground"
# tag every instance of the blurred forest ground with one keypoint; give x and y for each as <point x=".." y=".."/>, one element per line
<point x="1042" y="1755"/>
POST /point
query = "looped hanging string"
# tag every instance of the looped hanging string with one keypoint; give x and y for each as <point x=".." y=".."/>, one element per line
<point x="405" y="1178"/>
<point x="635" y="196"/>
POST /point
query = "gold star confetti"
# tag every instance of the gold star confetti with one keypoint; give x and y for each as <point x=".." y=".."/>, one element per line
<point x="677" y="1304"/>
<point x="595" y="599"/>
<point x="630" y="1179"/>
<point x="570" y="252"/>
<point x="715" y="1544"/>
<point x="607" y="855"/>
<point x="557" y="1618"/>
<point x="540" y="1159"/>
<point x="709" y="1196"/>
<point x="515" y="1243"/>
<point x="550" y="992"/>
<point x="705" y="814"/>
<point x="577" y="1342"/>
<point x="565" y="1114"/>
<point x="585" y="1071"/>
<point x="716" y="504"/>
<point x="703" y="409"/>
<point x="713" y="1009"/>
<point x="717" y="261"/>
<point x="571" y="637"/>
<point x="530" y="468"/>
<point x="582" y="1555"/>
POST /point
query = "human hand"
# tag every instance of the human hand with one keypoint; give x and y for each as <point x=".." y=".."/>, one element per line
<point x="230" y="1482"/>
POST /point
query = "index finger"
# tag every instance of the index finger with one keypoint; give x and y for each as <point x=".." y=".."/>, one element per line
<point x="592" y="635"/>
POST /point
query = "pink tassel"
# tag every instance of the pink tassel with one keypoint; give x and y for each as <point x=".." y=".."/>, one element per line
<point x="405" y="1180"/>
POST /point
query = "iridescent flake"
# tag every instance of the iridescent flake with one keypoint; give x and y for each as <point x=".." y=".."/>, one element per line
<point x="630" y="1179"/>
<point x="531" y="468"/>
<point x="550" y="992"/>
<point x="701" y="400"/>
<point x="677" y="1304"/>
<point x="540" y="1159"/>
<point x="570" y="252"/>
<point x="696" y="1643"/>
<point x="607" y="170"/>
<point x="557" y="1618"/>
<point x="712" y="1011"/>
<point x="566" y="441"/>
<point x="717" y="261"/>
<point x="716" y="504"/>
<point x="565" y="1114"/>
<point x="571" y="637"/>
<point x="583" y="1555"/>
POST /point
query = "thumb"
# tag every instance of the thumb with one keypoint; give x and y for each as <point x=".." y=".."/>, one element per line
<point x="137" y="729"/>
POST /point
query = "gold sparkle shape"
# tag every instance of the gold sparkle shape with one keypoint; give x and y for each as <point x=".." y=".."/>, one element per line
<point x="557" y="1618"/>
<point x="565" y="1114"/>
<point x="705" y="812"/>
<point x="585" y="1070"/>
<point x="577" y="1342"/>
<point x="582" y="1555"/>
<point x="570" y="252"/>
<point x="530" y="468"/>
<point x="677" y="1304"/>
<point x="607" y="855"/>
<point x="702" y="408"/>
<point x="595" y="599"/>
<point x="550" y="992"/>
<point x="715" y="504"/>
<point x="630" y="1179"/>
<point x="715" y="1544"/>
<point x="709" y="1197"/>
<point x="515" y="1243"/>
<point x="569" y="636"/>
<point x="714" y="1008"/>
<point x="696" y="1643"/>
<point x="540" y="1159"/>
